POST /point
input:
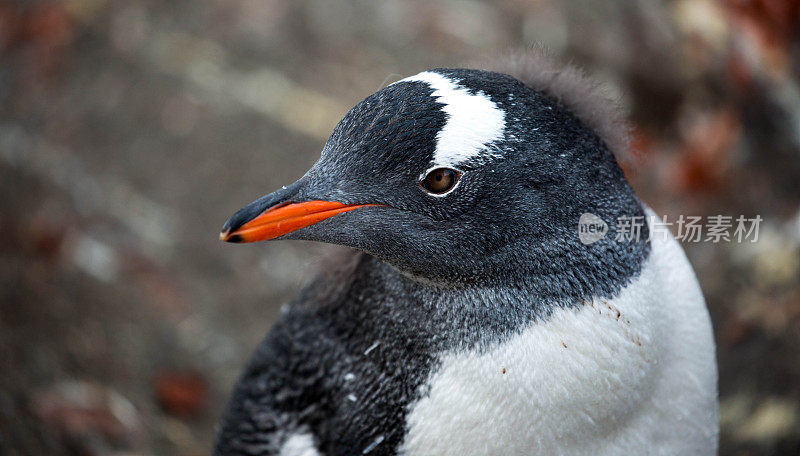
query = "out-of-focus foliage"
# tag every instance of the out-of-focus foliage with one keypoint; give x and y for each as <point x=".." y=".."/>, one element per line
<point x="130" y="130"/>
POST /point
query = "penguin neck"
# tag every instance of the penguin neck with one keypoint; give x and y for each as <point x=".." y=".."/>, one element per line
<point x="387" y="302"/>
<point x="472" y="314"/>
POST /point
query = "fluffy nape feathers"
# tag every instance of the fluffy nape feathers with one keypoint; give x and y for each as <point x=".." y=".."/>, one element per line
<point x="570" y="87"/>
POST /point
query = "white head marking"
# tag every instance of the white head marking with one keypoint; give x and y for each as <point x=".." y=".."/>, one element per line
<point x="473" y="121"/>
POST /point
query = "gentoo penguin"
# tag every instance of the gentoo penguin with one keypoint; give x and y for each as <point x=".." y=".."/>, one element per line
<point x="471" y="319"/>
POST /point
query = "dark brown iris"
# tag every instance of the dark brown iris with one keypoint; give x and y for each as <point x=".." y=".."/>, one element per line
<point x="440" y="180"/>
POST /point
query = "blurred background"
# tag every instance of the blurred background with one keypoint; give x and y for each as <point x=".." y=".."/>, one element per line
<point x="131" y="129"/>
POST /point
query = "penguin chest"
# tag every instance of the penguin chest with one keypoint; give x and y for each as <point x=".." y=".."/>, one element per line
<point x="635" y="374"/>
<point x="559" y="383"/>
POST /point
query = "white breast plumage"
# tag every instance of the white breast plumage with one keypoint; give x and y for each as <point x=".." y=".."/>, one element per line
<point x="632" y="375"/>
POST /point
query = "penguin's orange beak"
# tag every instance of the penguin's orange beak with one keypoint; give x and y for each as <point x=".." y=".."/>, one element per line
<point x="284" y="219"/>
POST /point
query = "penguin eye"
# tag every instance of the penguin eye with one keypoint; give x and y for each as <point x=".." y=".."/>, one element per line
<point x="440" y="180"/>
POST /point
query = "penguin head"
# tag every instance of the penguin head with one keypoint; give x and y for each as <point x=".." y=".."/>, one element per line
<point x="453" y="176"/>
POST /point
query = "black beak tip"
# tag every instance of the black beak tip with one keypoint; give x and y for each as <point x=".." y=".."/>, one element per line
<point x="253" y="210"/>
<point x="226" y="236"/>
<point x="234" y="223"/>
<point x="230" y="226"/>
<point x="235" y="239"/>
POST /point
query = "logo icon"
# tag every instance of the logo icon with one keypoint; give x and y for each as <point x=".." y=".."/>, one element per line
<point x="591" y="228"/>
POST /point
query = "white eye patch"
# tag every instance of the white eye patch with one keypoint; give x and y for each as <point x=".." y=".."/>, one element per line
<point x="473" y="121"/>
